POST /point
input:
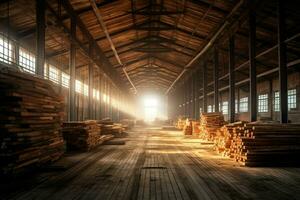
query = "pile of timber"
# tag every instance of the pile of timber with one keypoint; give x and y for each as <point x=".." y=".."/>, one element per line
<point x="188" y="128"/>
<point x="83" y="135"/>
<point x="127" y="123"/>
<point x="108" y="127"/>
<point x="196" y="128"/>
<point x="268" y="145"/>
<point x="31" y="114"/>
<point x="210" y="123"/>
<point x="180" y="123"/>
<point x="226" y="136"/>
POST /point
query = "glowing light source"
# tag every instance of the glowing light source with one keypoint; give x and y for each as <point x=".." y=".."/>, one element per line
<point x="150" y="108"/>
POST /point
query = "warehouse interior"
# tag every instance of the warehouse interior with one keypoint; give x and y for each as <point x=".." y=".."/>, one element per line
<point x="149" y="99"/>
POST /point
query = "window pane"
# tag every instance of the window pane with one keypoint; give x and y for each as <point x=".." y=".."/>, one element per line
<point x="6" y="50"/>
<point x="276" y="102"/>
<point x="244" y="104"/>
<point x="292" y="101"/>
<point x="27" y="60"/>
<point x="65" y="80"/>
<point x="263" y="103"/>
<point x="53" y="74"/>
<point x="225" y="107"/>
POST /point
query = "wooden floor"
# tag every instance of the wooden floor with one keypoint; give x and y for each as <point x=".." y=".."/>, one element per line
<point x="155" y="164"/>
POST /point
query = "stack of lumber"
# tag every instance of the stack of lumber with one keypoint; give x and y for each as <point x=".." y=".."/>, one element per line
<point x="226" y="137"/>
<point x="31" y="114"/>
<point x="268" y="145"/>
<point x="188" y="128"/>
<point x="82" y="135"/>
<point x="180" y="123"/>
<point x="196" y="128"/>
<point x="108" y="127"/>
<point x="210" y="123"/>
<point x="128" y="123"/>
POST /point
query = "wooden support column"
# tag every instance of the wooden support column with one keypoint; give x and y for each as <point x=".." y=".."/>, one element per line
<point x="191" y="97"/>
<point x="282" y="62"/>
<point x="72" y="69"/>
<point x="194" y="96"/>
<point x="252" y="65"/>
<point x="216" y="79"/>
<point x="231" y="80"/>
<point x="204" y="84"/>
<point x="184" y="99"/>
<point x="91" y="85"/>
<point x="40" y="37"/>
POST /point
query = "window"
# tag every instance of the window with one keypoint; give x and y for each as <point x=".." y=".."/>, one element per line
<point x="78" y="86"/>
<point x="53" y="74"/>
<point x="263" y="103"/>
<point x="96" y="94"/>
<point x="105" y="98"/>
<point x="27" y="60"/>
<point x="85" y="90"/>
<point x="292" y="103"/>
<point x="65" y="80"/>
<point x="292" y="100"/>
<point x="209" y="109"/>
<point x="276" y="102"/>
<point x="6" y="50"/>
<point x="225" y="107"/>
<point x="236" y="107"/>
<point x="244" y="104"/>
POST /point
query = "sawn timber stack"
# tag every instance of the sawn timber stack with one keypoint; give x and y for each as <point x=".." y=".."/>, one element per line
<point x="31" y="116"/>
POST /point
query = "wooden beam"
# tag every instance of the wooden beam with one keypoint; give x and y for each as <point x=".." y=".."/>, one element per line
<point x="40" y="37"/>
<point x="72" y="68"/>
<point x="252" y="65"/>
<point x="231" y="101"/>
<point x="216" y="79"/>
<point x="282" y="62"/>
<point x="204" y="85"/>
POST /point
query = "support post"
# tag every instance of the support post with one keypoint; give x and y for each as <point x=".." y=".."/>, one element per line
<point x="204" y="84"/>
<point x="40" y="36"/>
<point x="282" y="63"/>
<point x="91" y="81"/>
<point x="231" y="80"/>
<point x="252" y="65"/>
<point x="216" y="79"/>
<point x="72" y="69"/>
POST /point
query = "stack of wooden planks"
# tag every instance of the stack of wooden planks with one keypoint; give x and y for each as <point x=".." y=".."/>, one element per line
<point x="82" y="135"/>
<point x="268" y="145"/>
<point x="31" y="113"/>
<point x="210" y="123"/>
<point x="188" y="127"/>
<point x="196" y="128"/>
<point x="180" y="123"/>
<point x="128" y="123"/>
<point x="108" y="127"/>
<point x="225" y="137"/>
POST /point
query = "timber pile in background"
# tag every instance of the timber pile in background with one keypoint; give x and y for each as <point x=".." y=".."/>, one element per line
<point x="188" y="127"/>
<point x="127" y="123"/>
<point x="180" y="123"/>
<point x="31" y="116"/>
<point x="210" y="123"/>
<point x="108" y="127"/>
<point x="83" y="135"/>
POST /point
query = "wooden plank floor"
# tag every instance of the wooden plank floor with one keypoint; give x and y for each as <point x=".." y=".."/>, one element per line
<point x="155" y="164"/>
